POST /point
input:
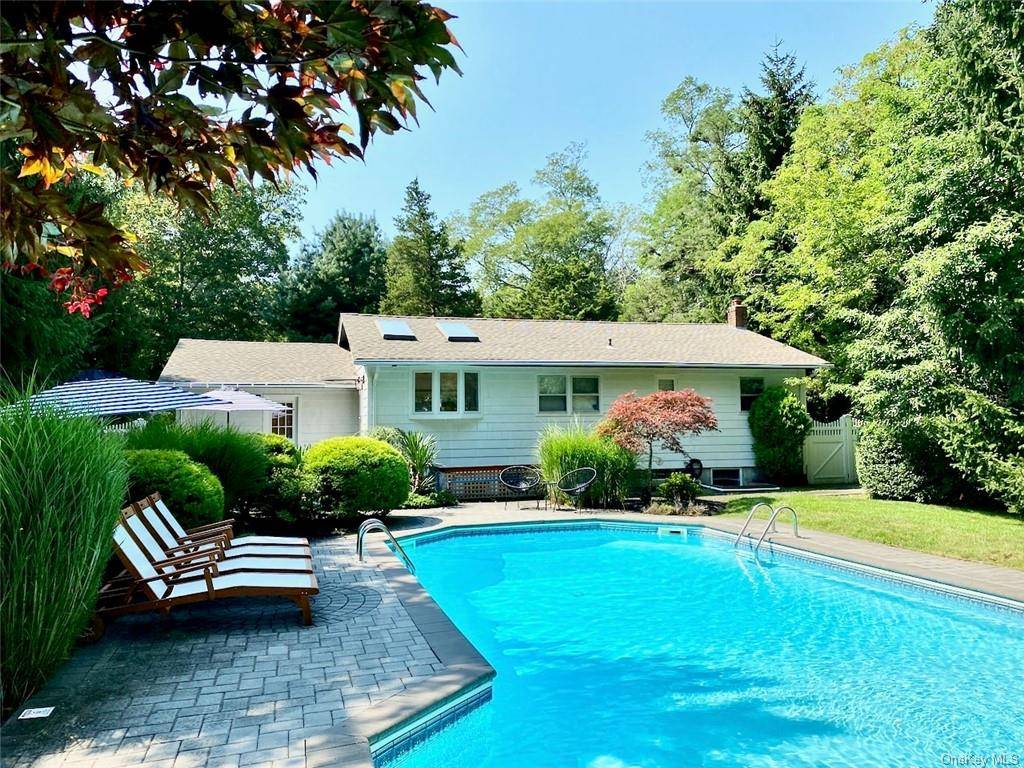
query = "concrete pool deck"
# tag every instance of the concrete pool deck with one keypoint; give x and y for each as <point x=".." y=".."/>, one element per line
<point x="241" y="683"/>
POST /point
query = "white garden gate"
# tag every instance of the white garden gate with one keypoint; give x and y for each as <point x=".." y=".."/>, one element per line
<point x="829" y="452"/>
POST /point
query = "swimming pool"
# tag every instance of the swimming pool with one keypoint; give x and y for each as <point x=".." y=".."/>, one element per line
<point x="621" y="646"/>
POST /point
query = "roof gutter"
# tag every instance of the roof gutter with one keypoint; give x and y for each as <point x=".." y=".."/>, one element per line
<point x="332" y="384"/>
<point x="585" y="363"/>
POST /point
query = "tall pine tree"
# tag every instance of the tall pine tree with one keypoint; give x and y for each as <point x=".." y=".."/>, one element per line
<point x="426" y="271"/>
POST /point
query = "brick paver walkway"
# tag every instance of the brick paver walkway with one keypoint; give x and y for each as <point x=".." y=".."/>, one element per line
<point x="232" y="683"/>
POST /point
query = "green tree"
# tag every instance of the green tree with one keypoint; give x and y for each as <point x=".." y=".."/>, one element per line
<point x="714" y="156"/>
<point x="142" y="89"/>
<point x="38" y="337"/>
<point x="207" y="278"/>
<point x="546" y="259"/>
<point x="426" y="270"/>
<point x="341" y="271"/>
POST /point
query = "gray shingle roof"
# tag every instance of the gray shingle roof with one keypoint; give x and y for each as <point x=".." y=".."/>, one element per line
<point x="257" y="362"/>
<point x="555" y="342"/>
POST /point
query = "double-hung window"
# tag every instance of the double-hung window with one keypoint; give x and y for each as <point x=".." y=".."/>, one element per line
<point x="446" y="392"/>
<point x="556" y="393"/>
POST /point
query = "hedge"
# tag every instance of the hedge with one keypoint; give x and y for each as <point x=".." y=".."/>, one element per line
<point x="192" y="492"/>
<point x="779" y="423"/>
<point x="358" y="475"/>
<point x="239" y="460"/>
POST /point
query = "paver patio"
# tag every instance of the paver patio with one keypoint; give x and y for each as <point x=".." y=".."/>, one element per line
<point x="232" y="683"/>
<point x="241" y="683"/>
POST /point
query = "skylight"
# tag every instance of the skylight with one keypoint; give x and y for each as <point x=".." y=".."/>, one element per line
<point x="457" y="331"/>
<point x="395" y="330"/>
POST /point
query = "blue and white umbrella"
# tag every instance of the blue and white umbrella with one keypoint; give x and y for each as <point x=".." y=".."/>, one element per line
<point x="116" y="397"/>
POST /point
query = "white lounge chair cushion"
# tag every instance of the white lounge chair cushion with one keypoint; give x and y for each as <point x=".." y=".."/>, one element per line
<point x="238" y="547"/>
<point x="266" y="541"/>
<point x="233" y="564"/>
<point x="249" y="579"/>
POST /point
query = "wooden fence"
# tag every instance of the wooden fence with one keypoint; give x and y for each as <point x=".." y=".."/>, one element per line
<point x="829" y="452"/>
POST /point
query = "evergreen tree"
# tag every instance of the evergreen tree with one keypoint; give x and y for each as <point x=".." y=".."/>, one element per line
<point x="342" y="271"/>
<point x="767" y="122"/>
<point x="426" y="271"/>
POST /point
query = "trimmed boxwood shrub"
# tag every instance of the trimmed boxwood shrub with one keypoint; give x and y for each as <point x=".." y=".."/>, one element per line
<point x="779" y="423"/>
<point x="561" y="450"/>
<point x="192" y="492"/>
<point x="358" y="475"/>
<point x="239" y="459"/>
<point x="281" y="451"/>
<point x="62" y="482"/>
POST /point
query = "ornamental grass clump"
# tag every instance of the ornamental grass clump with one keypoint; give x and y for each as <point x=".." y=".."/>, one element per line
<point x="639" y="424"/>
<point x="62" y="483"/>
<point x="563" y="449"/>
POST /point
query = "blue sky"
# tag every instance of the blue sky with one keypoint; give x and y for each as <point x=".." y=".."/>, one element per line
<point x="539" y="75"/>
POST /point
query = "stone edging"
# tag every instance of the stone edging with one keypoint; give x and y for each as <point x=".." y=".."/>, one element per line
<point x="465" y="669"/>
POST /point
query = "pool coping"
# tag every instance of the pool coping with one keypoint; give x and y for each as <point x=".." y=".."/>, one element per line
<point x="467" y="673"/>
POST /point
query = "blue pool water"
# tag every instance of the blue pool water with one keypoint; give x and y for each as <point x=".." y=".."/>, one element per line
<point x="620" y="647"/>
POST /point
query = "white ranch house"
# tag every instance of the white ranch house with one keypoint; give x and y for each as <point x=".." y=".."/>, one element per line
<point x="487" y="387"/>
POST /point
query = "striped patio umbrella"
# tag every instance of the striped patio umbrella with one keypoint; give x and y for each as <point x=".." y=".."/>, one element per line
<point x="116" y="397"/>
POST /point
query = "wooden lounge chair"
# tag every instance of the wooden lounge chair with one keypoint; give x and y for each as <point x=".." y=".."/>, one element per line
<point x="170" y="534"/>
<point x="193" y="578"/>
<point x="229" y="559"/>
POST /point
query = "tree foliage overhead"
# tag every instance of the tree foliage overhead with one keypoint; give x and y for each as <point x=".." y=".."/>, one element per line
<point x="207" y="278"/>
<point x="180" y="96"/>
<point x="548" y="259"/>
<point x="426" y="270"/>
<point x="341" y="271"/>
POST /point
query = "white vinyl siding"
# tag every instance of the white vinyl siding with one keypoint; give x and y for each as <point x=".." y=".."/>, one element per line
<point x="511" y="416"/>
<point x="320" y="412"/>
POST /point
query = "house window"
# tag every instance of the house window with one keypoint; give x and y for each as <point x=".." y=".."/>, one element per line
<point x="446" y="392"/>
<point x="750" y="389"/>
<point x="552" y="394"/>
<point x="423" y="397"/>
<point x="666" y="385"/>
<point x="449" y="392"/>
<point x="283" y="422"/>
<point x="471" y="392"/>
<point x="585" y="397"/>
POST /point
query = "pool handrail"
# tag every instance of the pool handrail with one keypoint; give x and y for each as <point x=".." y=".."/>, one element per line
<point x="771" y="524"/>
<point x="373" y="524"/>
<point x="750" y="517"/>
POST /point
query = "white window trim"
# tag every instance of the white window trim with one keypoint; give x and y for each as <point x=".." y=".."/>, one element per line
<point x="569" y="411"/>
<point x="268" y="425"/>
<point x="435" y="411"/>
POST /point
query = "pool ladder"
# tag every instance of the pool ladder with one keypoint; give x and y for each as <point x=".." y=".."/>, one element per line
<point x="770" y="528"/>
<point x="373" y="524"/>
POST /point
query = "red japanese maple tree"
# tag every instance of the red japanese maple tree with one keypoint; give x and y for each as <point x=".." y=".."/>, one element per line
<point x="640" y="423"/>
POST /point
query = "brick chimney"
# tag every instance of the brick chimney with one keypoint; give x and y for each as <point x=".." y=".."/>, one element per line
<point x="736" y="315"/>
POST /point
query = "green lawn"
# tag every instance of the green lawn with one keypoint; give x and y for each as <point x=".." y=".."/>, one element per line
<point x="968" y="534"/>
